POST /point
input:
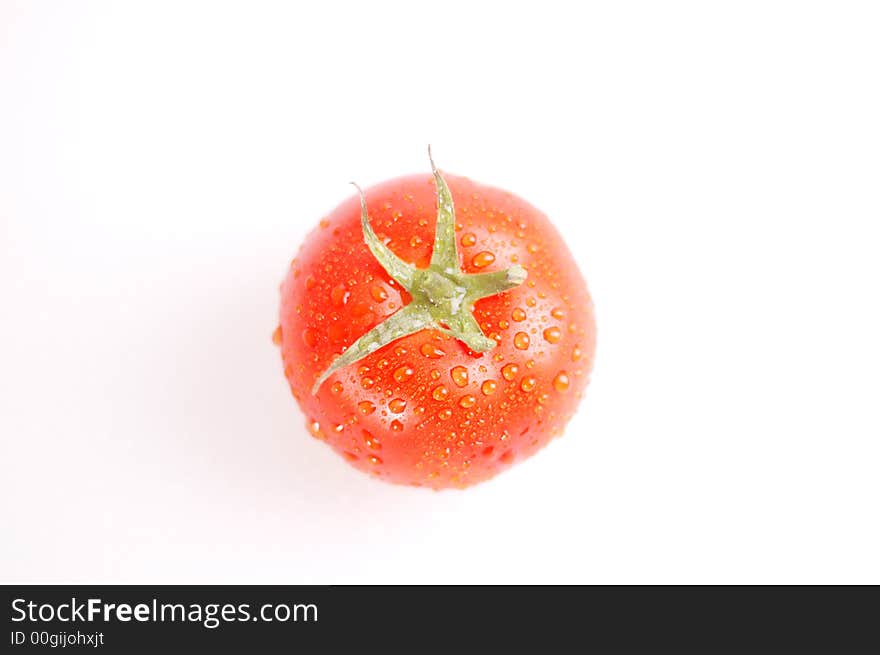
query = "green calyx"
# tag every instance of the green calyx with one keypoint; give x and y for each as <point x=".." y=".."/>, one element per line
<point x="443" y="296"/>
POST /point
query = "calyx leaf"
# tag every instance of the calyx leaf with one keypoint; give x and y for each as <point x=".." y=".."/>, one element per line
<point x="443" y="295"/>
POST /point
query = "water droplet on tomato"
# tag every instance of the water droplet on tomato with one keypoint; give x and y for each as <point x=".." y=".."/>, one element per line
<point x="315" y="430"/>
<point x="483" y="259"/>
<point x="397" y="405"/>
<point x="528" y="384"/>
<point x="403" y="374"/>
<point x="561" y="382"/>
<point x="339" y="295"/>
<point x="521" y="340"/>
<point x="276" y="336"/>
<point x="460" y="376"/>
<point x="519" y="315"/>
<point x="552" y="335"/>
<point x="468" y="240"/>
<point x="396" y="426"/>
<point x="371" y="441"/>
<point x="467" y="401"/>
<point x="509" y="372"/>
<point x="441" y="393"/>
<point x="366" y="407"/>
<point x="431" y="351"/>
<point x="489" y="387"/>
<point x="336" y="388"/>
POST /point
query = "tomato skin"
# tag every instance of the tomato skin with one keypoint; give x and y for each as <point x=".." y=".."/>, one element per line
<point x="408" y="413"/>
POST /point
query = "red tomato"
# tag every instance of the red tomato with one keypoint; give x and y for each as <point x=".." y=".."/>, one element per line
<point x="427" y="409"/>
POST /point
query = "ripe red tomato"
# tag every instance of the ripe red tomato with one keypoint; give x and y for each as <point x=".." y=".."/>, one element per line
<point x="428" y="408"/>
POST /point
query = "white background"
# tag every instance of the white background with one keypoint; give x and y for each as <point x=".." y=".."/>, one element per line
<point x="715" y="167"/>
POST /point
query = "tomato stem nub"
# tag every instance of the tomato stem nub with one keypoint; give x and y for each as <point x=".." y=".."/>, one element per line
<point x="443" y="296"/>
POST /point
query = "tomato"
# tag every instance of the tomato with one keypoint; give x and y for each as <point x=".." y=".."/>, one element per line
<point x="437" y="333"/>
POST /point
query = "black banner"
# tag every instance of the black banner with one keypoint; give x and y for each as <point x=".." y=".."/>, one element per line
<point x="118" y="619"/>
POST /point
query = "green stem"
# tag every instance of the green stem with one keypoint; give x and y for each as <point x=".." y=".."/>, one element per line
<point x="443" y="296"/>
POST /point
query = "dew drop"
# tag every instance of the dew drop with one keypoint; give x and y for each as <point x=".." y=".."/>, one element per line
<point x="557" y="313"/>
<point x="509" y="372"/>
<point x="468" y="240"/>
<point x="396" y="426"/>
<point x="576" y="354"/>
<point x="562" y="382"/>
<point x="336" y="388"/>
<point x="445" y="415"/>
<point x="276" y="336"/>
<point x="310" y="337"/>
<point x="467" y="401"/>
<point x="397" y="405"/>
<point x="521" y="340"/>
<point x="489" y="387"/>
<point x="339" y="295"/>
<point x="315" y="430"/>
<point x="403" y="374"/>
<point x="519" y="315"/>
<point x="366" y="408"/>
<point x="431" y="351"/>
<point x="368" y="383"/>
<point x="441" y="393"/>
<point x="371" y="441"/>
<point x="528" y="384"/>
<point x="378" y="294"/>
<point x="552" y="335"/>
<point x="483" y="259"/>
<point x="375" y="461"/>
<point x="460" y="376"/>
